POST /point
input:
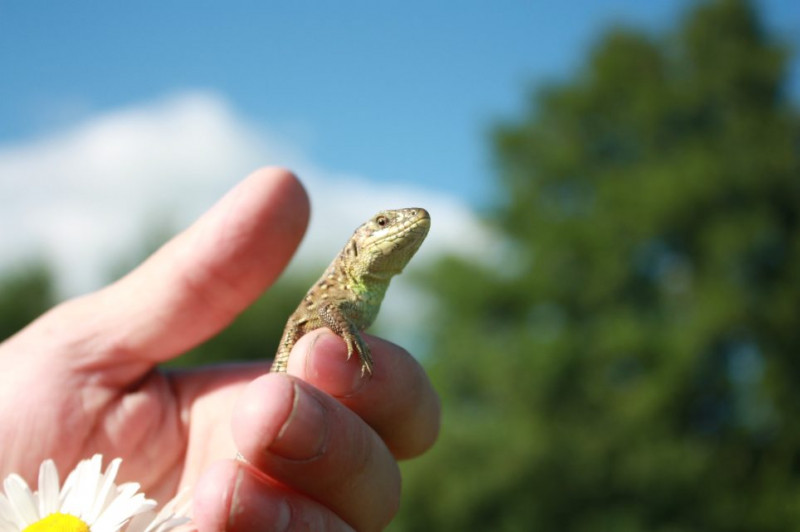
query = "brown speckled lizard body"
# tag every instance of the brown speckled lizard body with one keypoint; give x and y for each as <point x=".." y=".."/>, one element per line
<point x="347" y="297"/>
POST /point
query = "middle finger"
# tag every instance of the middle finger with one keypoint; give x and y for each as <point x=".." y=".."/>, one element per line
<point x="310" y="442"/>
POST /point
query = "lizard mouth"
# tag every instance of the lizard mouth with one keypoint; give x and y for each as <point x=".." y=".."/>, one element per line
<point x="406" y="230"/>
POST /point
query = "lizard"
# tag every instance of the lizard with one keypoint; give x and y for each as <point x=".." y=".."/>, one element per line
<point x="348" y="296"/>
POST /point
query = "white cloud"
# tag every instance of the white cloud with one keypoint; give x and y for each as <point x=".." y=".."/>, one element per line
<point x="81" y="198"/>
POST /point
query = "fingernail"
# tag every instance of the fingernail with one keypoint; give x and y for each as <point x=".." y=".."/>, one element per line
<point x="304" y="434"/>
<point x="329" y="364"/>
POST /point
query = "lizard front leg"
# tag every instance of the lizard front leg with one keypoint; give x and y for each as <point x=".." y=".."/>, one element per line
<point x="335" y="318"/>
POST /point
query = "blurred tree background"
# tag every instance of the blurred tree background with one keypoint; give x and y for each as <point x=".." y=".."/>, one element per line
<point x="639" y="367"/>
<point x="25" y="292"/>
<point x="632" y="362"/>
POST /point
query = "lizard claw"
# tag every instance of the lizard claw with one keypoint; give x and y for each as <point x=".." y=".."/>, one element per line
<point x="365" y="355"/>
<point x="356" y="344"/>
<point x="366" y="369"/>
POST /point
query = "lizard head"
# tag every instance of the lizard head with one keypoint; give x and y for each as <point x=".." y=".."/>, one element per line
<point x="383" y="245"/>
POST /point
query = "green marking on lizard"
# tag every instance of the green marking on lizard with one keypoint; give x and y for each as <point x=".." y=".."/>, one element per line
<point x="348" y="296"/>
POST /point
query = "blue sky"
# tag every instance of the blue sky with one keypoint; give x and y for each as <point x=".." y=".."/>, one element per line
<point x="120" y="118"/>
<point x="399" y="92"/>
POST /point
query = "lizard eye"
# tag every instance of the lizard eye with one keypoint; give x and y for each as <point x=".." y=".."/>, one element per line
<point x="382" y="221"/>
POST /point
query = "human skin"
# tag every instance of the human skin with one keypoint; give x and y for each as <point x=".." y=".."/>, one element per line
<point x="320" y="443"/>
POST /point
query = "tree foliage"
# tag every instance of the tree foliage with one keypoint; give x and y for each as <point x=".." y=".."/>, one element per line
<point x="633" y="363"/>
<point x="26" y="291"/>
<point x="632" y="360"/>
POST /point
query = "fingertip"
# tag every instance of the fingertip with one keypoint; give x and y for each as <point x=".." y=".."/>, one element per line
<point x="285" y="185"/>
<point x="320" y="358"/>
<point x="260" y="412"/>
<point x="425" y="421"/>
<point x="398" y="400"/>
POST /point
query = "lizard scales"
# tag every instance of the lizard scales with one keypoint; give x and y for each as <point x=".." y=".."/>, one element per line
<point x="348" y="296"/>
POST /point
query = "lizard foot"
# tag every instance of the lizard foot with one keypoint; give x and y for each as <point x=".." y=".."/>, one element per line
<point x="356" y="344"/>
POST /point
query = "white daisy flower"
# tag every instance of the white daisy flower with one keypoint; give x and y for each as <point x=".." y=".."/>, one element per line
<point x="89" y="501"/>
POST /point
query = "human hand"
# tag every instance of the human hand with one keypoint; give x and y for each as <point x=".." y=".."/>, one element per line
<point x="321" y="443"/>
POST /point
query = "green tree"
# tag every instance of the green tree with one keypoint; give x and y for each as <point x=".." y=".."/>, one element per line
<point x="26" y="291"/>
<point x="633" y="362"/>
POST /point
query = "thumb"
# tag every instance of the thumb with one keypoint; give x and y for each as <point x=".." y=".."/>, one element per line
<point x="197" y="282"/>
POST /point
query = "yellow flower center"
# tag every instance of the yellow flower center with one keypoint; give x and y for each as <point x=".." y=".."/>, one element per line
<point x="58" y="523"/>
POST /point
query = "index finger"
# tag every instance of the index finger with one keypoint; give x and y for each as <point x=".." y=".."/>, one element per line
<point x="197" y="282"/>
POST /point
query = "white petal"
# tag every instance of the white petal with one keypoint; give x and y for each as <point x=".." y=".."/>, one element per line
<point x="105" y="492"/>
<point x="7" y="526"/>
<point x="173" y="514"/>
<point x="7" y="511"/>
<point x="21" y="499"/>
<point x="130" y="491"/>
<point x="141" y="522"/>
<point x="70" y="495"/>
<point x="120" y="511"/>
<point x="69" y="484"/>
<point x="90" y="495"/>
<point x="81" y="486"/>
<point x="49" y="489"/>
<point x="126" y="504"/>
